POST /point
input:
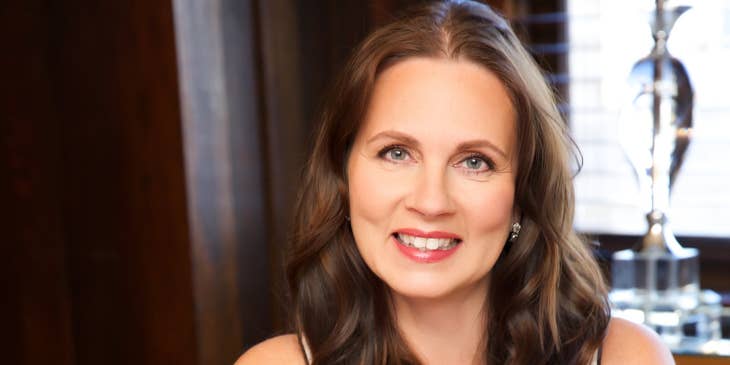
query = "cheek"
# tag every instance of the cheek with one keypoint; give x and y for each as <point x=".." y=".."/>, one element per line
<point x="488" y="206"/>
<point x="374" y="193"/>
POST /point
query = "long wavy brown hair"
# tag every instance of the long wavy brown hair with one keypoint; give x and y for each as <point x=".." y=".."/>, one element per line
<point x="547" y="299"/>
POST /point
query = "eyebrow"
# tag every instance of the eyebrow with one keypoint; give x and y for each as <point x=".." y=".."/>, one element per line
<point x="466" y="145"/>
<point x="394" y="135"/>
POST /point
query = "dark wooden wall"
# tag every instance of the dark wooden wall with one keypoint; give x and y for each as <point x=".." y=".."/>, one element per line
<point x="94" y="190"/>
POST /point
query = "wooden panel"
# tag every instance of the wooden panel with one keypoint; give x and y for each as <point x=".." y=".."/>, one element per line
<point x="36" y="304"/>
<point x="285" y="132"/>
<point x="124" y="193"/>
<point x="225" y="175"/>
<point x="103" y="268"/>
<point x="701" y="360"/>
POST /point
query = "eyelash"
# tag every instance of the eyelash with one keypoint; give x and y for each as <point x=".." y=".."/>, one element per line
<point x="382" y="154"/>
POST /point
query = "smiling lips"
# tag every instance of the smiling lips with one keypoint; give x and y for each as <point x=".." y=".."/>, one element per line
<point x="426" y="247"/>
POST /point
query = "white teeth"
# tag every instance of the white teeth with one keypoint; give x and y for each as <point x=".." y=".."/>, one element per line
<point x="432" y="243"/>
<point x="407" y="239"/>
<point x="444" y="243"/>
<point x="423" y="243"/>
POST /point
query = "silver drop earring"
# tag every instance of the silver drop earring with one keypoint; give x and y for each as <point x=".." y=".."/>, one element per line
<point x="515" y="232"/>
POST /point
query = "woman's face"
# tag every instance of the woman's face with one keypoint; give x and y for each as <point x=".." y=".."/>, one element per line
<point x="432" y="177"/>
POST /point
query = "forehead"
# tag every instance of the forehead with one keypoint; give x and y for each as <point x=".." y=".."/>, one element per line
<point x="442" y="99"/>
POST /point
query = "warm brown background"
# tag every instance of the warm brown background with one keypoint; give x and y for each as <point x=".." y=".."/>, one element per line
<point x="150" y="153"/>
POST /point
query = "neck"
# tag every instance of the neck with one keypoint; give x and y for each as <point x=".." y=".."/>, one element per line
<point x="447" y="330"/>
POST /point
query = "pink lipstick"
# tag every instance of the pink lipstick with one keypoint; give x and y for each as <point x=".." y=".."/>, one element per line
<point x="426" y="247"/>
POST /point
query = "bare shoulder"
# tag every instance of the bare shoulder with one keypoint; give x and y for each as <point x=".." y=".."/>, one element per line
<point x="282" y="349"/>
<point x="629" y="343"/>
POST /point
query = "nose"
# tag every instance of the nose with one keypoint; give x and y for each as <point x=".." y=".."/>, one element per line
<point x="430" y="197"/>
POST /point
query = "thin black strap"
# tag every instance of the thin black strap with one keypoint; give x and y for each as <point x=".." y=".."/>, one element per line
<point x="600" y="352"/>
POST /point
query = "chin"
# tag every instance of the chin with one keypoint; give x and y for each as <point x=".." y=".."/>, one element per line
<point x="423" y="286"/>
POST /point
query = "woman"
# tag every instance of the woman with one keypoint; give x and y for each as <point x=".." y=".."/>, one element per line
<point x="435" y="221"/>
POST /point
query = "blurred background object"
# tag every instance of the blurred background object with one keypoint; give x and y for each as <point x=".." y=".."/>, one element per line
<point x="150" y="153"/>
<point x="606" y="39"/>
<point x="656" y="282"/>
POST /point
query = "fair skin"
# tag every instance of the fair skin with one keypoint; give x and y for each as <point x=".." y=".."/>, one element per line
<point x="436" y="153"/>
<point x="448" y="133"/>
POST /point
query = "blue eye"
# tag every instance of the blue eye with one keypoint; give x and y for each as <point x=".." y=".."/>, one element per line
<point x="477" y="164"/>
<point x="394" y="153"/>
<point x="397" y="154"/>
<point x="474" y="163"/>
